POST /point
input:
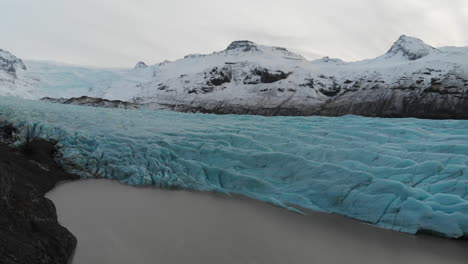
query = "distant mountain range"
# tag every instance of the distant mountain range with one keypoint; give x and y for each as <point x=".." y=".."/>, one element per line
<point x="412" y="79"/>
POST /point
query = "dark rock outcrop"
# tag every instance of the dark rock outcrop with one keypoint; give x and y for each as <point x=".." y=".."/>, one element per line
<point x="92" y="101"/>
<point x="217" y="77"/>
<point x="243" y="45"/>
<point x="29" y="230"/>
<point x="227" y="108"/>
<point x="262" y="75"/>
<point x="140" y="65"/>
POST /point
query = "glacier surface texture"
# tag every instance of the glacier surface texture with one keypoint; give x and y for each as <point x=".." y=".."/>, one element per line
<point x="408" y="175"/>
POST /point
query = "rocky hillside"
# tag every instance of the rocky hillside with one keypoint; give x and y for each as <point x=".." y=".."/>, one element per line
<point x="29" y="230"/>
<point x="413" y="79"/>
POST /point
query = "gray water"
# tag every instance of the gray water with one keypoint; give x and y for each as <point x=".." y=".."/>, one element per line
<point x="122" y="224"/>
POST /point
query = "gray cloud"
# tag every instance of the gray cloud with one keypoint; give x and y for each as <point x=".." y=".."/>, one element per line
<point x="121" y="32"/>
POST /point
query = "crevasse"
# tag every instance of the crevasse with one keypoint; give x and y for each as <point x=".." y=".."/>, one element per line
<point x="408" y="175"/>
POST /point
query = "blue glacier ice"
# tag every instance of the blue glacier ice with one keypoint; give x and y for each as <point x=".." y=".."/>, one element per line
<point x="408" y="175"/>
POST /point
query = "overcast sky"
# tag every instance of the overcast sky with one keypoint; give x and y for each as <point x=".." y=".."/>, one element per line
<point x="118" y="33"/>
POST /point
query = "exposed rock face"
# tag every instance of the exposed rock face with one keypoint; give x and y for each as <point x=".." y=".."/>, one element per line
<point x="29" y="230"/>
<point x="444" y="98"/>
<point x="262" y="75"/>
<point x="91" y="101"/>
<point x="218" y="77"/>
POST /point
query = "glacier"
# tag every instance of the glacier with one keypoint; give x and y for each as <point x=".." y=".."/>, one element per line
<point x="408" y="175"/>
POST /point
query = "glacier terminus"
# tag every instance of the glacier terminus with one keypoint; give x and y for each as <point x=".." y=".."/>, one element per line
<point x="408" y="175"/>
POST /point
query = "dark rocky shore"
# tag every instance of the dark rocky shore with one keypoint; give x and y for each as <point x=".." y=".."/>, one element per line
<point x="29" y="230"/>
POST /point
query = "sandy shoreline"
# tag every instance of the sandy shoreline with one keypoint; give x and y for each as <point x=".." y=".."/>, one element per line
<point x="121" y="224"/>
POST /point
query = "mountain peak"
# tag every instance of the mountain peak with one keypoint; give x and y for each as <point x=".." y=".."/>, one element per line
<point x="10" y="63"/>
<point x="140" y="65"/>
<point x="243" y="45"/>
<point x="410" y="48"/>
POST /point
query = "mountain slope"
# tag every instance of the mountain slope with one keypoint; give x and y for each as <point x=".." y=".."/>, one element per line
<point x="411" y="79"/>
<point x="30" y="232"/>
<point x="11" y="76"/>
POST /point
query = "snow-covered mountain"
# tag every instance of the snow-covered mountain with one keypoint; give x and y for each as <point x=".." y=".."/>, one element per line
<point x="9" y="64"/>
<point x="410" y="48"/>
<point x="411" y="79"/>
<point x="12" y="81"/>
